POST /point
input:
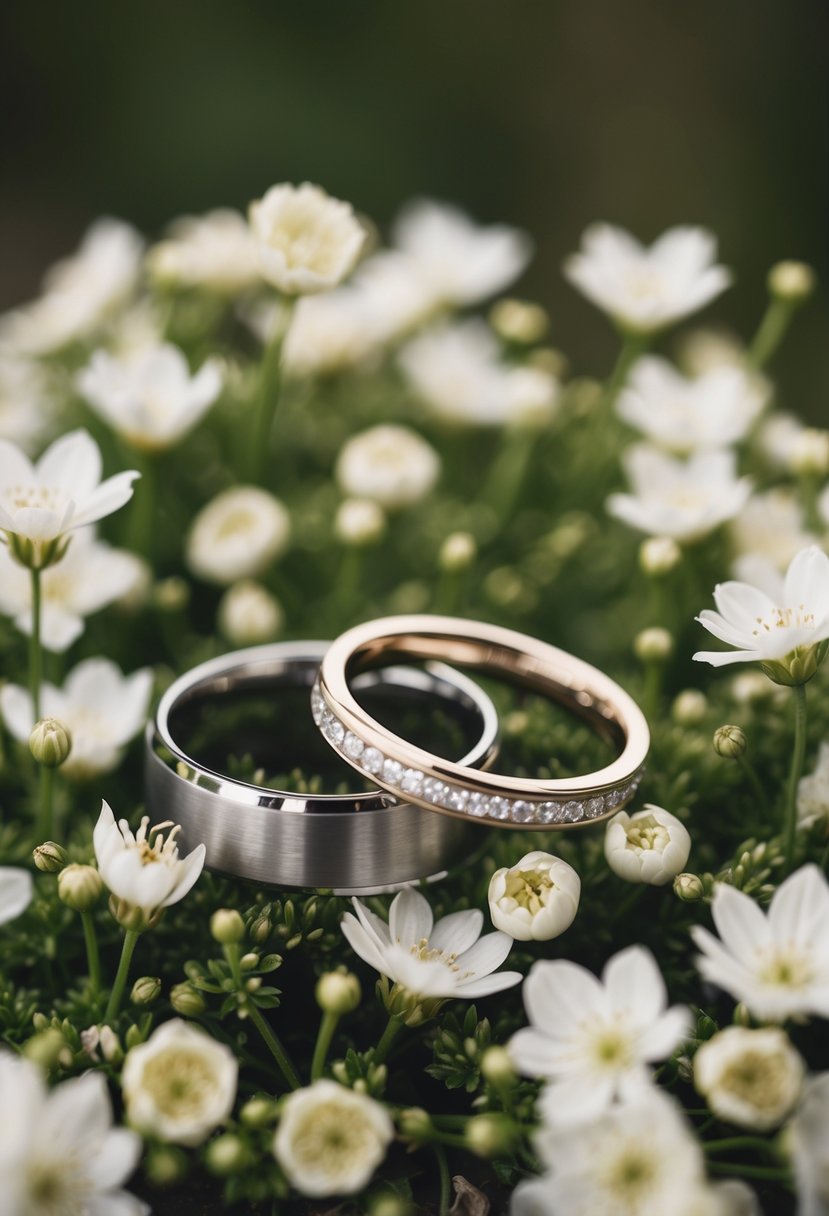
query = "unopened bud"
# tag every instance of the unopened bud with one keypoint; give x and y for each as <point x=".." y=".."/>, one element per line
<point x="742" y="1017"/>
<point x="730" y="742"/>
<point x="359" y="521"/>
<point x="80" y="887"/>
<point x="389" y="1204"/>
<point x="227" y="1154"/>
<point x="338" y="992"/>
<point x="249" y="961"/>
<point x="653" y="645"/>
<point x="248" y="614"/>
<point x="258" y="1112"/>
<point x="791" y="281"/>
<point x="171" y="594"/>
<point x="519" y="321"/>
<point x="227" y="926"/>
<point x="689" y="707"/>
<point x="45" y="1048"/>
<point x="50" y="742"/>
<point x="165" y="1165"/>
<point x="50" y="858"/>
<point x="260" y="930"/>
<point x="497" y="1068"/>
<point x="457" y="552"/>
<point x="146" y="990"/>
<point x="187" y="1000"/>
<point x="808" y="453"/>
<point x="134" y="1036"/>
<point x="415" y="1123"/>
<point x="489" y="1135"/>
<point x="659" y="555"/>
<point x="688" y="888"/>
<point x="111" y="1048"/>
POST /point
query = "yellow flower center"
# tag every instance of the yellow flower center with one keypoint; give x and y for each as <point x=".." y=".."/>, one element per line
<point x="179" y="1081"/>
<point x="630" y="1176"/>
<point x="330" y="1137"/>
<point x="428" y="954"/>
<point x="612" y="1050"/>
<point x="647" y="833"/>
<point x="785" y="618"/>
<point x="36" y="496"/>
<point x="759" y="1079"/>
<point x="151" y="844"/>
<point x="788" y="970"/>
<point x="531" y="889"/>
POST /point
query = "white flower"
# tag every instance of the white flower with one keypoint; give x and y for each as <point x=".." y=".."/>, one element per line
<point x="180" y="1085"/>
<point x="396" y="297"/>
<point x="306" y="241"/>
<point x="535" y="899"/>
<point x="461" y="262"/>
<point x="823" y="506"/>
<point x="702" y="349"/>
<point x="457" y="371"/>
<point x="749" y="1077"/>
<point x="711" y="411"/>
<point x="766" y="629"/>
<point x="80" y="293"/>
<point x="144" y="870"/>
<point x="813" y="791"/>
<point x="89" y="576"/>
<point x="776" y="963"/>
<point x="329" y="333"/>
<point x="778" y="436"/>
<point x="237" y="535"/>
<point x="808" y="1145"/>
<point x="59" y="1152"/>
<point x="25" y="407"/>
<point x="61" y="493"/>
<point x="649" y="846"/>
<point x="682" y="499"/>
<point x="215" y="252"/>
<point x="330" y="1140"/>
<point x="643" y="289"/>
<point x="770" y="526"/>
<point x="593" y="1039"/>
<point x="359" y="521"/>
<point x="636" y="1160"/>
<point x="148" y="396"/>
<point x="249" y="614"/>
<point x="16" y="892"/>
<point x="101" y="709"/>
<point x="447" y="959"/>
<point x="391" y="465"/>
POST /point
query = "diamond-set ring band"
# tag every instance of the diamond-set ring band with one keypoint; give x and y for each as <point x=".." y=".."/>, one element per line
<point x="428" y="781"/>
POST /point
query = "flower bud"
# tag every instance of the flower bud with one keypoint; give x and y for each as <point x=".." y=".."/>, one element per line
<point x="497" y="1068"/>
<point x="260" y="930"/>
<point x="227" y="926"/>
<point x="248" y="614"/>
<point x="650" y="846"/>
<point x="249" y="961"/>
<point x="165" y="1165"/>
<point x="171" y="594"/>
<point x="146" y="990"/>
<point x="415" y="1123"/>
<point x="653" y="645"/>
<point x="659" y="555"/>
<point x="457" y="552"/>
<point x="79" y="887"/>
<point x="389" y="1204"/>
<point x="519" y="321"/>
<point x="111" y="1048"/>
<point x="359" y="521"/>
<point x="490" y="1134"/>
<point x="50" y="742"/>
<point x="50" y="858"/>
<point x="689" y="707"/>
<point x="44" y="1049"/>
<point x="258" y="1112"/>
<point x="688" y="887"/>
<point x="808" y="453"/>
<point x="791" y="281"/>
<point x="134" y="1036"/>
<point x="338" y="992"/>
<point x="187" y="1000"/>
<point x="227" y="1154"/>
<point x="730" y="742"/>
<point x="741" y="1016"/>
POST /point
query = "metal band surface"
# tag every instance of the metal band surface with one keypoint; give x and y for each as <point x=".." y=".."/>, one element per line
<point x="455" y="789"/>
<point x="366" y="841"/>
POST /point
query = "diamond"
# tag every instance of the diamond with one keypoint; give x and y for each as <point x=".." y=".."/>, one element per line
<point x="613" y="799"/>
<point x="317" y="704"/>
<point x="499" y="808"/>
<point x="523" y="812"/>
<point x="434" y="790"/>
<point x="412" y="781"/>
<point x="572" y="812"/>
<point x="594" y="807"/>
<point x="477" y="805"/>
<point x="457" y="799"/>
<point x="352" y="746"/>
<point x="392" y="772"/>
<point x="549" y="812"/>
<point x="333" y="729"/>
<point x="372" y="760"/>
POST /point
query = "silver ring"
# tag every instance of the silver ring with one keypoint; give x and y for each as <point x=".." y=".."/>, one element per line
<point x="349" y="843"/>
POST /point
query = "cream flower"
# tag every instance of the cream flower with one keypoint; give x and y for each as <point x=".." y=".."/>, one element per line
<point x="59" y="1152"/>
<point x="808" y="1145"/>
<point x="237" y="535"/>
<point x="776" y="963"/>
<point x="460" y="262"/>
<point x="711" y="411"/>
<point x="248" y="614"/>
<point x="143" y="871"/>
<point x="390" y="465"/>
<point x="536" y="899"/>
<point x="396" y="297"/>
<point x="594" y="1039"/>
<point x="649" y="846"/>
<point x="81" y="293"/>
<point x="89" y="576"/>
<point x="813" y="791"/>
<point x="42" y="503"/>
<point x="101" y="709"/>
<point x="447" y="959"/>
<point x="642" y="289"/>
<point x="148" y="396"/>
<point x="770" y="526"/>
<point x="457" y="372"/>
<point x="682" y="499"/>
<point x="16" y="892"/>
<point x="180" y="1085"/>
<point x="749" y="1077"/>
<point x="702" y="349"/>
<point x="359" y="521"/>
<point x="785" y="630"/>
<point x="215" y="252"/>
<point x="306" y="241"/>
<point x="330" y="1140"/>
<point x="778" y="436"/>
<point x="25" y="407"/>
<point x="823" y="506"/>
<point x="329" y="333"/>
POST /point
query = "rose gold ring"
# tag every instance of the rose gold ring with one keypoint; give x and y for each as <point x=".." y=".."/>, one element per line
<point x="441" y="785"/>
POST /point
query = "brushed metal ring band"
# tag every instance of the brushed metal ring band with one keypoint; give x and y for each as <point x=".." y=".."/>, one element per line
<point x="360" y="842"/>
<point x="454" y="788"/>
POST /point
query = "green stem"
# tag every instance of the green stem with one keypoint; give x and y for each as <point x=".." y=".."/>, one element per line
<point x="142" y="522"/>
<point x="35" y="653"/>
<point x="770" y="332"/>
<point x="328" y="1024"/>
<point x="798" y="755"/>
<point x="755" y="1142"/>
<point x="393" y="1028"/>
<point x="93" y="958"/>
<point x="768" y="1173"/>
<point x="270" y="390"/>
<point x="652" y="695"/>
<point x="116" y="995"/>
<point x="509" y="471"/>
<point x="445" y="1181"/>
<point x="633" y="346"/>
<point x="754" y="781"/>
<point x="349" y="584"/>
<point x="275" y="1047"/>
<point x="44" y="819"/>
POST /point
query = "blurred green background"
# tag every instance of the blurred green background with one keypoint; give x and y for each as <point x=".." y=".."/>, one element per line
<point x="545" y="114"/>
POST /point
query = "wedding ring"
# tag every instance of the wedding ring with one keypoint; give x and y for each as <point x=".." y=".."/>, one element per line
<point x="352" y="843"/>
<point x="455" y="789"/>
